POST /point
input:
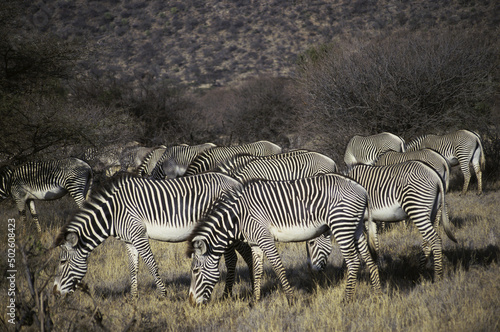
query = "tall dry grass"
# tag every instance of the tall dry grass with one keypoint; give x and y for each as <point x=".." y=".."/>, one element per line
<point x="466" y="299"/>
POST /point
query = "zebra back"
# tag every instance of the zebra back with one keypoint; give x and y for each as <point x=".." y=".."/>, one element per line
<point x="176" y="159"/>
<point x="428" y="156"/>
<point x="235" y="164"/>
<point x="149" y="162"/>
<point x="210" y="159"/>
<point x="366" y="149"/>
<point x="174" y="203"/>
<point x="289" y="167"/>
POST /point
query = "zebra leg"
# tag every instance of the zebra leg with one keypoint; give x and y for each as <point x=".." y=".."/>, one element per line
<point x="133" y="264"/>
<point x="258" y="258"/>
<point x="431" y="243"/>
<point x="31" y="204"/>
<point x="246" y="252"/>
<point x="424" y="258"/>
<point x="144" y="249"/>
<point x="464" y="166"/>
<point x="437" y="250"/>
<point x="231" y="259"/>
<point x="362" y="247"/>
<point x="353" y="263"/>
<point x="273" y="256"/>
<point x="477" y="169"/>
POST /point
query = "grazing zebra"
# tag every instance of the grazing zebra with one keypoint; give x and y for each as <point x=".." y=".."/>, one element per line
<point x="462" y="147"/>
<point x="284" y="166"/>
<point x="428" y="156"/>
<point x="365" y="150"/>
<point x="136" y="210"/>
<point x="176" y="159"/>
<point x="287" y="211"/>
<point x="410" y="189"/>
<point x="45" y="180"/>
<point x="210" y="159"/>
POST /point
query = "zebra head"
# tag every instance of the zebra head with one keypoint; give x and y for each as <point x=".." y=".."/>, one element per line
<point x="72" y="265"/>
<point x="204" y="271"/>
<point x="318" y="250"/>
<point x="5" y="181"/>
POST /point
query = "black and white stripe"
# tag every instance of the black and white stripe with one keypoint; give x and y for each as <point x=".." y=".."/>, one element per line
<point x="136" y="210"/>
<point x="45" y="180"/>
<point x="208" y="160"/>
<point x="428" y="156"/>
<point x="462" y="147"/>
<point x="284" y="166"/>
<point x="410" y="189"/>
<point x="365" y="150"/>
<point x="149" y="162"/>
<point x="176" y="159"/>
<point x="285" y="211"/>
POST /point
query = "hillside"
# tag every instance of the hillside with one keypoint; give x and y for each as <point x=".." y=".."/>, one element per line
<point x="202" y="42"/>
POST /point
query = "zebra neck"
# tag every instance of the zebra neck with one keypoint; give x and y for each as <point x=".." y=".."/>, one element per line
<point x="224" y="228"/>
<point x="91" y="232"/>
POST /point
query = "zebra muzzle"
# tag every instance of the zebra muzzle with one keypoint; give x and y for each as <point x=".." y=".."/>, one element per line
<point x="194" y="302"/>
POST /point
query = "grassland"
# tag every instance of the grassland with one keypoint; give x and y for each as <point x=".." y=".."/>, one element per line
<point x="466" y="299"/>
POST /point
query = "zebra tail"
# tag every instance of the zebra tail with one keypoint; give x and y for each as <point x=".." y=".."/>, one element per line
<point x="372" y="232"/>
<point x="482" y="159"/>
<point x="444" y="216"/>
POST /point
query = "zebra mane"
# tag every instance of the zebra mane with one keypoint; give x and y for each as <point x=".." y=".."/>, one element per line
<point x="95" y="199"/>
<point x="223" y="205"/>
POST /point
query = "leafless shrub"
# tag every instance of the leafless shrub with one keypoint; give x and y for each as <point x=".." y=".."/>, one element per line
<point x="264" y="109"/>
<point x="407" y="83"/>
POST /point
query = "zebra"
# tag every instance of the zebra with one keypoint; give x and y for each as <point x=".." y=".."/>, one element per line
<point x="430" y="157"/>
<point x="366" y="149"/>
<point x="285" y="166"/>
<point x="210" y="159"/>
<point x="150" y="160"/>
<point x="409" y="189"/>
<point x="288" y="211"/>
<point x="462" y="147"/>
<point x="45" y="180"/>
<point x="175" y="160"/>
<point x="135" y="210"/>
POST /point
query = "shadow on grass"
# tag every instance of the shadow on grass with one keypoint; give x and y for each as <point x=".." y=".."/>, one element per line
<point x="462" y="221"/>
<point x="467" y="257"/>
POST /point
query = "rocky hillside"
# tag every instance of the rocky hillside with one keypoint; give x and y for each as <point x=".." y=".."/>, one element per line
<point x="211" y="42"/>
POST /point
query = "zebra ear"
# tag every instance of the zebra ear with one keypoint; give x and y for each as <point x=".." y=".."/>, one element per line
<point x="199" y="246"/>
<point x="72" y="239"/>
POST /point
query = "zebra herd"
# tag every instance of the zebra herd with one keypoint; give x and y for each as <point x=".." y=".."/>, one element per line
<point x="244" y="198"/>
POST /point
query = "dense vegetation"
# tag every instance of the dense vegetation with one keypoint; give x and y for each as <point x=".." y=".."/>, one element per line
<point x="341" y="68"/>
<point x="303" y="74"/>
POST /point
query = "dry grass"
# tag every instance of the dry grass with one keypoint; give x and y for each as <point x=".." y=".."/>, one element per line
<point x="467" y="299"/>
